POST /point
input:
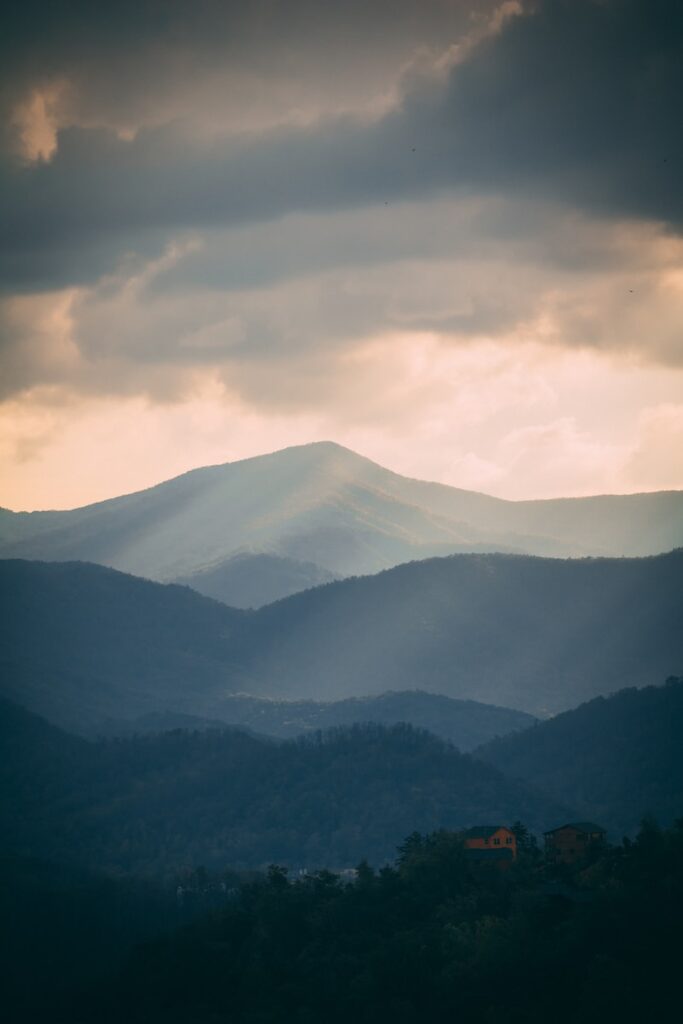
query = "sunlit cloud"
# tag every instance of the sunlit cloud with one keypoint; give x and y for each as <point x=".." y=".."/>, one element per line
<point x="227" y="234"/>
<point x="517" y="422"/>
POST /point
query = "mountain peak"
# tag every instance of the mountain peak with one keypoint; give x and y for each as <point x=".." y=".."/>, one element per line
<point x="325" y="504"/>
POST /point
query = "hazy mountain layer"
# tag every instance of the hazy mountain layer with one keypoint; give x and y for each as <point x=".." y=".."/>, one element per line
<point x="464" y="723"/>
<point x="80" y="643"/>
<point x="224" y="799"/>
<point x="250" y="581"/>
<point x="541" y="635"/>
<point x="325" y="505"/>
<point x="613" y="758"/>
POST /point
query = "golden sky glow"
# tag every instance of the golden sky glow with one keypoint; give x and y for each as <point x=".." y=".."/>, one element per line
<point x="222" y="236"/>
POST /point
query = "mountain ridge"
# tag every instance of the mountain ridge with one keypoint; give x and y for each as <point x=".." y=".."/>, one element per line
<point x="227" y="798"/>
<point x="532" y="634"/>
<point x="325" y="505"/>
<point x="618" y="756"/>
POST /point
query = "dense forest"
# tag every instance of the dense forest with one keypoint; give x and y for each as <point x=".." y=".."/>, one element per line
<point x="150" y="805"/>
<point x="613" y="758"/>
<point x="432" y="937"/>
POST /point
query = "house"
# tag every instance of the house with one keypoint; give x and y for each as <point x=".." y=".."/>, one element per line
<point x="571" y="842"/>
<point x="494" y="843"/>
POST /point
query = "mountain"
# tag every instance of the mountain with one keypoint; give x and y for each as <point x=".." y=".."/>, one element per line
<point x="323" y="504"/>
<point x="250" y="581"/>
<point x="464" y="723"/>
<point x="81" y="643"/>
<point x="223" y="799"/>
<point x="540" y="635"/>
<point x="615" y="759"/>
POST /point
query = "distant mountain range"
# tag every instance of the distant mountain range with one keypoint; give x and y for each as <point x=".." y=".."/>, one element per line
<point x="80" y="643"/>
<point x="338" y="513"/>
<point x="156" y="804"/>
<point x="464" y="723"/>
<point x="614" y="759"/>
<point x="250" y="581"/>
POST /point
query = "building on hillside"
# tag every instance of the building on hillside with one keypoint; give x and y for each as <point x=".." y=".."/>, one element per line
<point x="572" y="842"/>
<point x="490" y="843"/>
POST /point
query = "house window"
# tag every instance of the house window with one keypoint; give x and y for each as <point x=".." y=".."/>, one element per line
<point x="509" y="841"/>
<point x="496" y="842"/>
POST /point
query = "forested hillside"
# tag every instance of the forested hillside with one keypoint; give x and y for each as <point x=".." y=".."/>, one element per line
<point x="614" y="758"/>
<point x="80" y="643"/>
<point x="538" y="634"/>
<point x="151" y="805"/>
<point x="431" y="938"/>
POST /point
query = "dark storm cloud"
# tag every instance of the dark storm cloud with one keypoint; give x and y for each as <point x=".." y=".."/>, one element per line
<point x="126" y="57"/>
<point x="577" y="103"/>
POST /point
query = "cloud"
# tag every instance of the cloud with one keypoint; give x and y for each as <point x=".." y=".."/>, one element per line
<point x="329" y="214"/>
<point x="526" y="422"/>
<point x="513" y="115"/>
<point x="656" y="461"/>
<point x="228" y="66"/>
<point x="282" y="332"/>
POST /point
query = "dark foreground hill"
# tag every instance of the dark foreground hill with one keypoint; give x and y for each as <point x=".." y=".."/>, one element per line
<point x="80" y="643"/>
<point x="614" y="759"/>
<point x="151" y="805"/>
<point x="428" y="939"/>
<point x="464" y="723"/>
<point x="433" y="937"/>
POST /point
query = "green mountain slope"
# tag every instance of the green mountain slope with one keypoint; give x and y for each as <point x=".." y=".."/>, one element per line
<point x="617" y="757"/>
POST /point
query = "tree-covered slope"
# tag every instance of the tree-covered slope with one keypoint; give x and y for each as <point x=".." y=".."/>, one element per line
<point x="615" y="759"/>
<point x="430" y="939"/>
<point x="538" y="634"/>
<point x="79" y="642"/>
<point x="223" y="799"/>
<point x="464" y="723"/>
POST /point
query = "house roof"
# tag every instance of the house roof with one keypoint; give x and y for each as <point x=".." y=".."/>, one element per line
<point x="580" y="826"/>
<point x="484" y="831"/>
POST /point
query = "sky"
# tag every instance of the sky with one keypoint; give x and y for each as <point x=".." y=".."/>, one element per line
<point x="446" y="234"/>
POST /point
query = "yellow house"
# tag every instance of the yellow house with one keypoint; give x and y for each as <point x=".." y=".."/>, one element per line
<point x="491" y="842"/>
